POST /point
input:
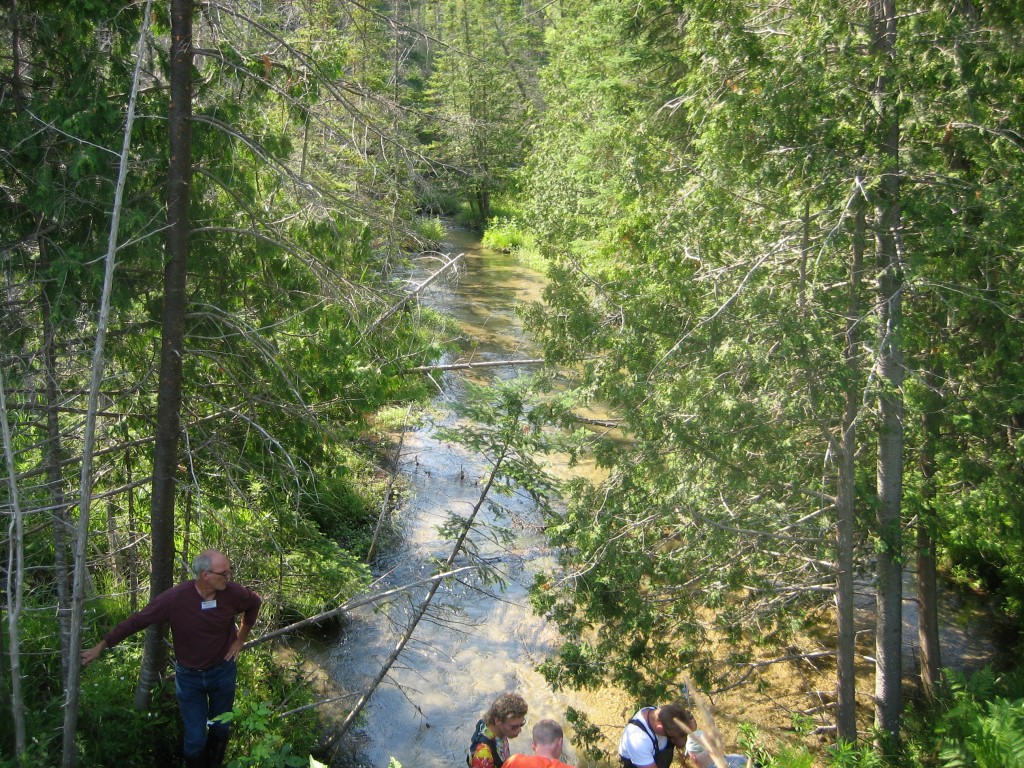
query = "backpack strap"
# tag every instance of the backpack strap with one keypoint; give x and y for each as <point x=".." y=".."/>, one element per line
<point x="480" y="737"/>
<point x="662" y="757"/>
<point x="646" y="729"/>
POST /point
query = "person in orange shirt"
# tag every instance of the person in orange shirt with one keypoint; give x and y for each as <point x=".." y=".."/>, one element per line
<point x="547" y="745"/>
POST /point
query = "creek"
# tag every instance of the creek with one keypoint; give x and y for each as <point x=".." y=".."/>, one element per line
<point x="475" y="642"/>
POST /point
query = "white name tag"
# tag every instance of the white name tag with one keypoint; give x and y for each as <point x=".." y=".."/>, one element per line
<point x="208" y="604"/>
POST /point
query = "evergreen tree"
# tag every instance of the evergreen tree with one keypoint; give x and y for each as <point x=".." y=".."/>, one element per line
<point x="483" y="97"/>
<point x="720" y="187"/>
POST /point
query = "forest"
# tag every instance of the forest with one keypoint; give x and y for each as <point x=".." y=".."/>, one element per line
<point x="784" y="247"/>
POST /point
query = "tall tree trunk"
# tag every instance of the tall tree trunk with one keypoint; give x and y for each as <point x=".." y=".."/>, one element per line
<point x="168" y="426"/>
<point x="60" y="516"/>
<point x="927" y="580"/>
<point x="14" y="589"/>
<point x="932" y="419"/>
<point x="846" y="716"/>
<point x="69" y="757"/>
<point x="133" y="537"/>
<point x="15" y="563"/>
<point x="16" y="89"/>
<point x="889" y="604"/>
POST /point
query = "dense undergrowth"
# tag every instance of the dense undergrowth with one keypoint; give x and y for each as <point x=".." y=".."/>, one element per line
<point x="302" y="561"/>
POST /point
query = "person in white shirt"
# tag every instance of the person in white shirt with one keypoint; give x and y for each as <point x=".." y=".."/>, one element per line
<point x="651" y="736"/>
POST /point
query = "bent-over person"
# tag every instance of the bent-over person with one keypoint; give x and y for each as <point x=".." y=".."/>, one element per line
<point x="547" y="744"/>
<point x="651" y="736"/>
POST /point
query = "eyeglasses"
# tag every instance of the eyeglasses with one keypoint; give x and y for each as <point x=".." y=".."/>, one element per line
<point x="224" y="574"/>
<point x="515" y="726"/>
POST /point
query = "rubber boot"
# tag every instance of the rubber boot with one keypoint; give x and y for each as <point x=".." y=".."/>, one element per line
<point x="216" y="746"/>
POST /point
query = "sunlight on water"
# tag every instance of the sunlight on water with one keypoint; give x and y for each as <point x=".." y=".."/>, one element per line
<point x="475" y="642"/>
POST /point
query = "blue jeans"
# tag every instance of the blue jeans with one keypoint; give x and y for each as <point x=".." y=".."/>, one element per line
<point x="202" y="695"/>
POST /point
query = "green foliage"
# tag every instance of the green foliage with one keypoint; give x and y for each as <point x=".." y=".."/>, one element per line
<point x="110" y="729"/>
<point x="977" y="725"/>
<point x="481" y="95"/>
<point x="510" y="424"/>
<point x="844" y="755"/>
<point x="506" y="235"/>
<point x="439" y="202"/>
<point x="751" y="744"/>
<point x="693" y="184"/>
<point x="299" y="209"/>
<point x="431" y="229"/>
<point x="695" y="193"/>
<point x="996" y="740"/>
<point x="301" y="565"/>
<point x="260" y="744"/>
<point x="587" y="736"/>
<point x="262" y="733"/>
<point x="973" y="720"/>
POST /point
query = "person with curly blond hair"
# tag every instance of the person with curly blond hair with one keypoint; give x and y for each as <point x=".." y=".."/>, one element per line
<point x="503" y="720"/>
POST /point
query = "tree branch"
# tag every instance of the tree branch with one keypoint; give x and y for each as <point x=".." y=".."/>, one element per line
<point x="351" y="605"/>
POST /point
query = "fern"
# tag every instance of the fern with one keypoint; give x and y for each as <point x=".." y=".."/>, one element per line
<point x="992" y="739"/>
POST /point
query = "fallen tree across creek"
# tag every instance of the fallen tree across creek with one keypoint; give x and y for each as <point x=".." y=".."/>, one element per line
<point x="354" y="603"/>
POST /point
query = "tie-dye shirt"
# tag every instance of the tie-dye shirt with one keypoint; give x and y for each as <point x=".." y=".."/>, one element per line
<point x="483" y="755"/>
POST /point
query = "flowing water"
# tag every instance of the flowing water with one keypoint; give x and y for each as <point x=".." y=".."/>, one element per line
<point x="475" y="642"/>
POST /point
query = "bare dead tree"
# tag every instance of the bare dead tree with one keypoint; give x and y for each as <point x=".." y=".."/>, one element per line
<point x="15" y="581"/>
<point x="356" y="602"/>
<point x="711" y="738"/>
<point x="470" y="366"/>
<point x="70" y="752"/>
<point x="395" y="309"/>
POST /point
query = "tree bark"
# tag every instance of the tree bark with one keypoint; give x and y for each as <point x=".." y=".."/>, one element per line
<point x="14" y="589"/>
<point x="15" y="560"/>
<point x="889" y="471"/>
<point x="133" y="537"/>
<point x="927" y="579"/>
<point x="16" y="88"/>
<point x="70" y="748"/>
<point x="168" y="427"/>
<point x="53" y="458"/>
<point x="846" y="716"/>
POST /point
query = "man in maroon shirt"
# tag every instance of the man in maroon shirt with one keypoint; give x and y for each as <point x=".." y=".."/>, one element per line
<point x="202" y="614"/>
